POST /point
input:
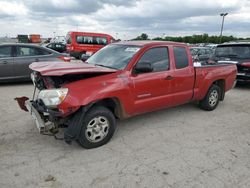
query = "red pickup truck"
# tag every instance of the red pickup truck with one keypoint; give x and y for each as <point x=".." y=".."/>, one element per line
<point x="121" y="80"/>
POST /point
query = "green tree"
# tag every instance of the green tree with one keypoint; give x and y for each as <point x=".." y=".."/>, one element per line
<point x="143" y="36"/>
<point x="204" y="38"/>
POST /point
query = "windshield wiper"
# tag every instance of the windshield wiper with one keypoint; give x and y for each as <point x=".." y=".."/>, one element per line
<point x="106" y="66"/>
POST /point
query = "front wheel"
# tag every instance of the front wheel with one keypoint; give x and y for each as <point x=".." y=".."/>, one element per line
<point x="211" y="99"/>
<point x="98" y="127"/>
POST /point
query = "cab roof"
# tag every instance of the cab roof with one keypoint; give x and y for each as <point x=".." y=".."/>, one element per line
<point x="148" y="43"/>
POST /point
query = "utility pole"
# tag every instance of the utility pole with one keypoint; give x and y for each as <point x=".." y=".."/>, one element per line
<point x="222" y="24"/>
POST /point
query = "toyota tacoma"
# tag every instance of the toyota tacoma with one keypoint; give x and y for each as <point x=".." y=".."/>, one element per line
<point x="121" y="80"/>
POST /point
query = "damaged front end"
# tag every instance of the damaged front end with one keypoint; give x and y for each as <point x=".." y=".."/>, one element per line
<point x="43" y="106"/>
<point x="52" y="106"/>
<point x="45" y="118"/>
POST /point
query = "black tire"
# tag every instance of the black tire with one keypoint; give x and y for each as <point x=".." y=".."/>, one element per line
<point x="79" y="56"/>
<point x="212" y="98"/>
<point x="104" y="116"/>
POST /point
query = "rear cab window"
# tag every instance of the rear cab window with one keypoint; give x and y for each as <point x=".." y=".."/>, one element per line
<point x="181" y="57"/>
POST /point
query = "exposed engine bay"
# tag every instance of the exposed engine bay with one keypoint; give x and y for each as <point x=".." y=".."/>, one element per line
<point x="45" y="82"/>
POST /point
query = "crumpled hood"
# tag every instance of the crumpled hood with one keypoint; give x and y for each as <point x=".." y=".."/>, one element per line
<point x="52" y="68"/>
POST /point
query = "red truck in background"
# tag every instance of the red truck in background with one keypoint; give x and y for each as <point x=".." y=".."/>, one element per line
<point x="121" y="80"/>
<point x="79" y="43"/>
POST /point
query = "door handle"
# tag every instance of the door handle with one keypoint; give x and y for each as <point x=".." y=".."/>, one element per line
<point x="5" y="62"/>
<point x="36" y="59"/>
<point x="169" y="78"/>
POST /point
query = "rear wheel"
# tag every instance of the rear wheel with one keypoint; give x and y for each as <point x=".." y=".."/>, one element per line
<point x="211" y="100"/>
<point x="98" y="127"/>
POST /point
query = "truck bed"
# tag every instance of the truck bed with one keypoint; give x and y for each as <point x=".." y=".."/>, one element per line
<point x="207" y="74"/>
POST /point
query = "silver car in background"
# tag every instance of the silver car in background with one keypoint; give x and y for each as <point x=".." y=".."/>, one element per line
<point x="15" y="60"/>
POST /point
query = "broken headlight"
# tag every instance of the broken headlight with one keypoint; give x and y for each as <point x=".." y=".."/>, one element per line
<point x="53" y="97"/>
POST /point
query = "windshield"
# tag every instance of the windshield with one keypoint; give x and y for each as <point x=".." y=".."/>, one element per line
<point x="114" y="56"/>
<point x="242" y="52"/>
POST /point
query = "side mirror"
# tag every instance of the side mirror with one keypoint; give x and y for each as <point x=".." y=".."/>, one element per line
<point x="143" y="67"/>
<point x="84" y="57"/>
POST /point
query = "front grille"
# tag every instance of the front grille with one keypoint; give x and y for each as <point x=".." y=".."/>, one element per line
<point x="243" y="69"/>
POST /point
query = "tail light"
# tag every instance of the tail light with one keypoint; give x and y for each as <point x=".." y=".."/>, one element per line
<point x="64" y="58"/>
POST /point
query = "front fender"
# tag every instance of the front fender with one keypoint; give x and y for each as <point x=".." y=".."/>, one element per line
<point x="83" y="93"/>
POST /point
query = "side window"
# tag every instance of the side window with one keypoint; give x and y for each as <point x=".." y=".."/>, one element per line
<point x="23" y="51"/>
<point x="91" y="40"/>
<point x="39" y="51"/>
<point x="5" y="51"/>
<point x="84" y="40"/>
<point x="157" y="57"/>
<point x="181" y="58"/>
<point x="100" y="40"/>
<point x="202" y="52"/>
<point x="208" y="51"/>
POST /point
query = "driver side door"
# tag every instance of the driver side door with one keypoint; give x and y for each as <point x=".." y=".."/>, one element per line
<point x="152" y="90"/>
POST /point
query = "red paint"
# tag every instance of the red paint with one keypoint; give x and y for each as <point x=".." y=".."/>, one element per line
<point x="64" y="58"/>
<point x="60" y="68"/>
<point x="142" y="92"/>
<point x="21" y="102"/>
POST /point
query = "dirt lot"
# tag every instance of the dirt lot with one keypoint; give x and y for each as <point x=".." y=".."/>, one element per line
<point x="178" y="147"/>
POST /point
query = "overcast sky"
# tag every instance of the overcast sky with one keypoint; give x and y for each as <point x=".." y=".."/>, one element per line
<point x="124" y="19"/>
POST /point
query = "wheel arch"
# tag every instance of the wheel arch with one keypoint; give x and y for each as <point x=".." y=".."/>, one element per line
<point x="73" y="130"/>
<point x="114" y="105"/>
<point x="221" y="84"/>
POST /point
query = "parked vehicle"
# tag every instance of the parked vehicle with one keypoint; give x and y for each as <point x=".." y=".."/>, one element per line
<point x="79" y="43"/>
<point x="59" y="39"/>
<point x="35" y="38"/>
<point x="16" y="58"/>
<point x="23" y="38"/>
<point x="237" y="53"/>
<point x="201" y="53"/>
<point x="121" y="80"/>
<point x="59" y="47"/>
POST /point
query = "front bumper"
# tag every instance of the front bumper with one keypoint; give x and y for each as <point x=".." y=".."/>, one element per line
<point x="243" y="74"/>
<point x="48" y="121"/>
<point x="40" y="123"/>
<point x="45" y="119"/>
<point x="243" y="77"/>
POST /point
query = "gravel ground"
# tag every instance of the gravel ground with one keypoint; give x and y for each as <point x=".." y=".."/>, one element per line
<point x="178" y="147"/>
